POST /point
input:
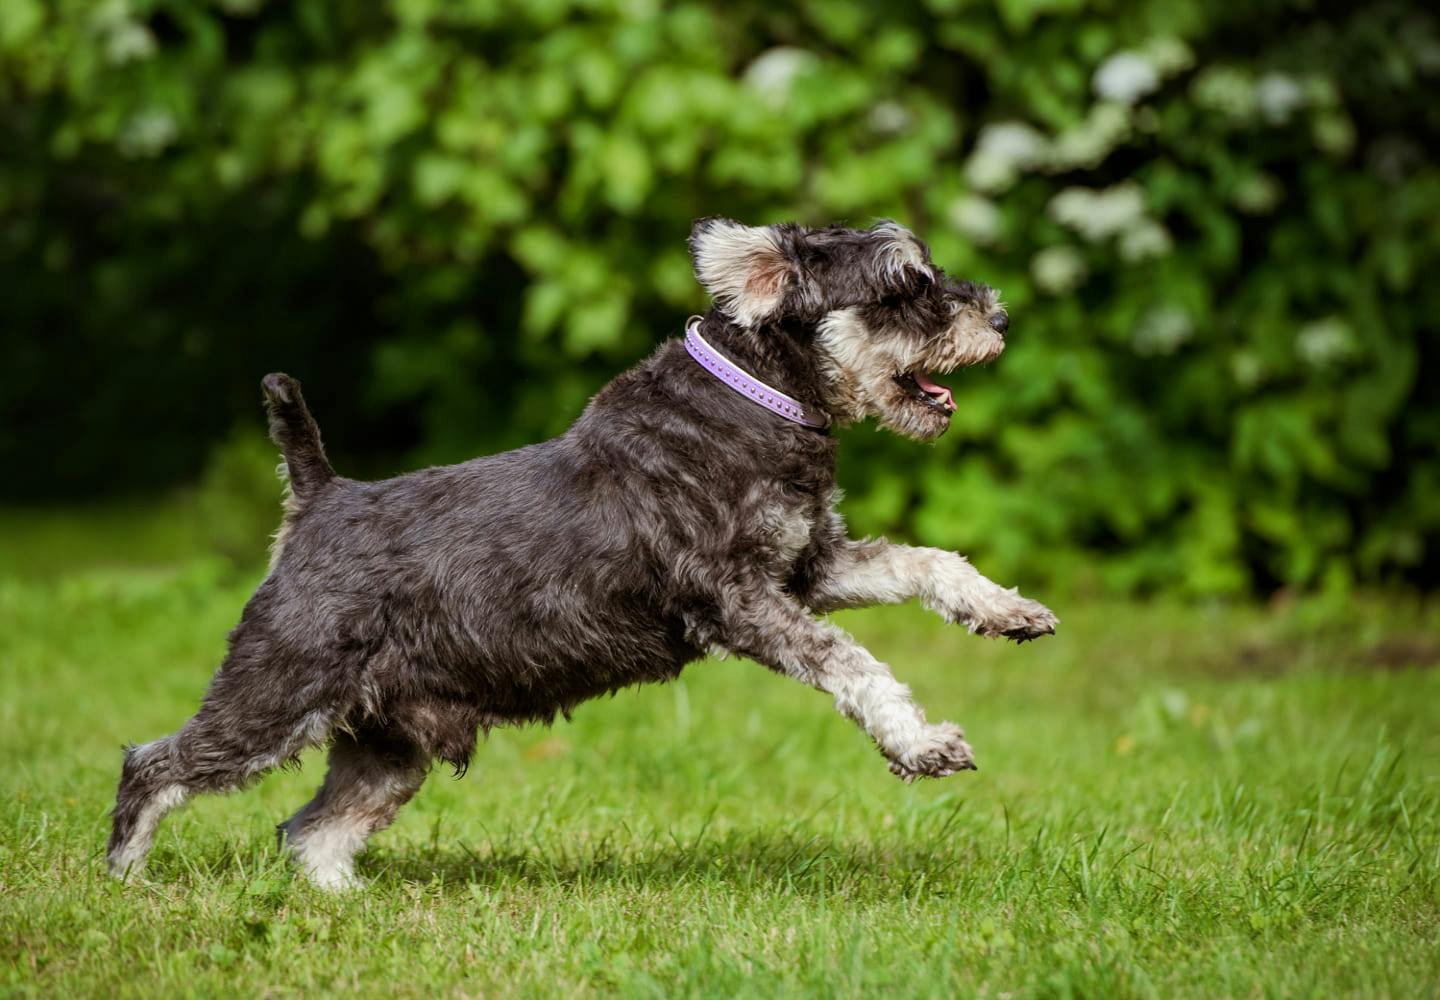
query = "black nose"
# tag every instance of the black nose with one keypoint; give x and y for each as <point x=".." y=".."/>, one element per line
<point x="1000" y="322"/>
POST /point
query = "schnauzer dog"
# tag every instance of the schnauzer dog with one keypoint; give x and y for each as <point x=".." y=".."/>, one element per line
<point x="691" y="507"/>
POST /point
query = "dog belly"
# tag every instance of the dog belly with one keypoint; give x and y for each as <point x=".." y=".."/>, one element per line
<point x="537" y="691"/>
<point x="512" y="676"/>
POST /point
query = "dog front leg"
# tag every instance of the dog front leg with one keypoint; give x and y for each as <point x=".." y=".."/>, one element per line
<point x="781" y="635"/>
<point x="877" y="572"/>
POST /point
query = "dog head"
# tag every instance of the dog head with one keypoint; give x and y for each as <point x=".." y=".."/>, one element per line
<point x="882" y="317"/>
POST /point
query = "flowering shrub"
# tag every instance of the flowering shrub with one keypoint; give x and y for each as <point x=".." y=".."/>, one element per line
<point x="1211" y="222"/>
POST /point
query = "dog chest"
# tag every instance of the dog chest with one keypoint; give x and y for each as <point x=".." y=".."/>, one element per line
<point x="786" y="532"/>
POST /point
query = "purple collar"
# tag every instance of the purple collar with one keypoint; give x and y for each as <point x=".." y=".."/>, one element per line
<point x="736" y="378"/>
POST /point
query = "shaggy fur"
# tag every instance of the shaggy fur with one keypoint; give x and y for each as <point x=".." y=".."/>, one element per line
<point x="674" y="517"/>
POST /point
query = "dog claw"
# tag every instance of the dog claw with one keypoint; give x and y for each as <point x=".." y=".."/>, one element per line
<point x="939" y="754"/>
<point x="1025" y="621"/>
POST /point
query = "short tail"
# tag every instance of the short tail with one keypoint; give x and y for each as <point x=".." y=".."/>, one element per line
<point x="297" y="434"/>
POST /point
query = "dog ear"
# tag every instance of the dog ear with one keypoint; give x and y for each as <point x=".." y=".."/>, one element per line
<point x="901" y="259"/>
<point x="744" y="268"/>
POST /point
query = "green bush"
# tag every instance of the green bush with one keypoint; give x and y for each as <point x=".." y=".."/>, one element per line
<point x="1211" y="221"/>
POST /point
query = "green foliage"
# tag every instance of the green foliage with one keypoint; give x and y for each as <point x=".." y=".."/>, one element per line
<point x="1211" y="220"/>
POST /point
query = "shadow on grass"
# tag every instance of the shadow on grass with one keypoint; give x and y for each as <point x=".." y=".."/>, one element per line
<point x="741" y="861"/>
<point x="752" y="860"/>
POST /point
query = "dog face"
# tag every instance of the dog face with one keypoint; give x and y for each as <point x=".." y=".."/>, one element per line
<point x="882" y="316"/>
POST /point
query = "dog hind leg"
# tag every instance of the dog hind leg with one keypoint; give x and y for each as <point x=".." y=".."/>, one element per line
<point x="235" y="738"/>
<point x="148" y="790"/>
<point x="371" y="776"/>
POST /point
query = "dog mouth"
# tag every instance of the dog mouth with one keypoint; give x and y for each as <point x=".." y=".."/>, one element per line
<point x="926" y="391"/>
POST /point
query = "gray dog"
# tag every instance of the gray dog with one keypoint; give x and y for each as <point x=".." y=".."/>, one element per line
<point x="691" y="507"/>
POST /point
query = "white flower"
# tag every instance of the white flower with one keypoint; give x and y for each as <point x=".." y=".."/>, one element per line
<point x="1125" y="78"/>
<point x="1117" y="211"/>
<point x="128" y="41"/>
<point x="1168" y="55"/>
<point x="976" y="217"/>
<point x="1279" y="97"/>
<point x="988" y="173"/>
<point x="1161" y="331"/>
<point x="148" y="132"/>
<point x="1323" y="342"/>
<point x="1225" y="89"/>
<point x="1057" y="269"/>
<point x="1097" y="215"/>
<point x="889" y="117"/>
<point x="125" y="38"/>
<point x="1014" y="142"/>
<point x="773" y="71"/>
<point x="1001" y="152"/>
<point x="1256" y="193"/>
<point x="1143" y="240"/>
<point x="1088" y="143"/>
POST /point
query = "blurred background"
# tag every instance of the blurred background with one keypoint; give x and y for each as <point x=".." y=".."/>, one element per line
<point x="1212" y="222"/>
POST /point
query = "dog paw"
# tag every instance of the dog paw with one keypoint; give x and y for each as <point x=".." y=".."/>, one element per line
<point x="1017" y="618"/>
<point x="940" y="752"/>
<point x="333" y="878"/>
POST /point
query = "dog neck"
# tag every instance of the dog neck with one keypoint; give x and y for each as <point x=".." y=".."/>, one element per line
<point x="738" y="380"/>
<point x="778" y="360"/>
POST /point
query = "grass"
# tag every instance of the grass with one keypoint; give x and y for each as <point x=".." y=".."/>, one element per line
<point x="1171" y="801"/>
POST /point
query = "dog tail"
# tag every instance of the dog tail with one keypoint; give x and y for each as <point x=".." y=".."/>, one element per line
<point x="297" y="434"/>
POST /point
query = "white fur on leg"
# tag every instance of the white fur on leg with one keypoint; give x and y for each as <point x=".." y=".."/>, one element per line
<point x="872" y="697"/>
<point x="326" y="848"/>
<point x="881" y="573"/>
<point x="865" y="691"/>
<point x="128" y="861"/>
<point x="360" y="795"/>
<point x="914" y="747"/>
<point x="958" y="592"/>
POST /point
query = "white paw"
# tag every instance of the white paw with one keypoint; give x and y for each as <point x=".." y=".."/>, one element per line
<point x="334" y="879"/>
<point x="1015" y="617"/>
<point x="939" y="752"/>
<point x="127" y="870"/>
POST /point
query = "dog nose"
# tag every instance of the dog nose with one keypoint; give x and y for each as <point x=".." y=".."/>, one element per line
<point x="1000" y="322"/>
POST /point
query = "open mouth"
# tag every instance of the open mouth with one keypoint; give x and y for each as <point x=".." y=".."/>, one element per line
<point x="926" y="390"/>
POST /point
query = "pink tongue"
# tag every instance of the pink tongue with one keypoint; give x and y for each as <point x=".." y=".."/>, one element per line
<point x="924" y="381"/>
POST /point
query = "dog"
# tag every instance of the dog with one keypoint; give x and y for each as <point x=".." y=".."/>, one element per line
<point x="690" y="508"/>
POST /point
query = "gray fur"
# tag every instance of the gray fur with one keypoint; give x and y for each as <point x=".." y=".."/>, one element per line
<point x="400" y="617"/>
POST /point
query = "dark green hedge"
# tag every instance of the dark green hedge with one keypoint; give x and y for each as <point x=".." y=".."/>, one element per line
<point x="1213" y="223"/>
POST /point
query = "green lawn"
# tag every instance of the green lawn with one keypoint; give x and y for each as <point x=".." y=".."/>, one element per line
<point x="1171" y="801"/>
